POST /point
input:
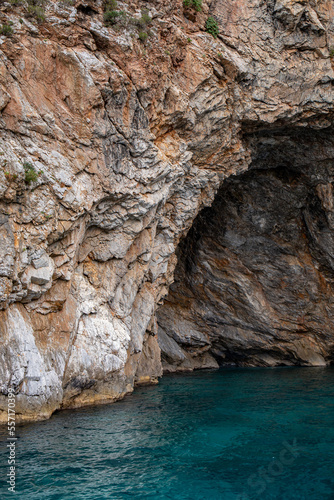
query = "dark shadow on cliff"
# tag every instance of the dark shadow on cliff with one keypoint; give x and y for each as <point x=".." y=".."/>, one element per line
<point x="255" y="276"/>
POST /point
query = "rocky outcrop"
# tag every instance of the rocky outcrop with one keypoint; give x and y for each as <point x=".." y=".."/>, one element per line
<point x="110" y="147"/>
<point x="254" y="281"/>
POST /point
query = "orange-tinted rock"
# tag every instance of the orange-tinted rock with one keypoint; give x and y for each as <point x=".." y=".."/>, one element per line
<point x="110" y="147"/>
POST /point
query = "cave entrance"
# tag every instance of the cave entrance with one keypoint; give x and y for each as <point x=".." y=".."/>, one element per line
<point x="255" y="275"/>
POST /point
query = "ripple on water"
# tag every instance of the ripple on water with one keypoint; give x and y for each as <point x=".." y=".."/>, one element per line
<point x="206" y="435"/>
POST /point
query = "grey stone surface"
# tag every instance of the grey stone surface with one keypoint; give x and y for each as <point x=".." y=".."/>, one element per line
<point x="129" y="143"/>
<point x="256" y="271"/>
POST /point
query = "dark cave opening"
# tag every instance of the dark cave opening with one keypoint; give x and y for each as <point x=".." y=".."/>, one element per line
<point x="254" y="281"/>
<point x="86" y="10"/>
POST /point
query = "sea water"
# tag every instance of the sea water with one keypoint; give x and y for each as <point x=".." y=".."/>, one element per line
<point x="231" y="434"/>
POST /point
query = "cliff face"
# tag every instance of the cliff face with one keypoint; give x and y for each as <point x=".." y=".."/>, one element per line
<point x="111" y="146"/>
<point x="255" y="279"/>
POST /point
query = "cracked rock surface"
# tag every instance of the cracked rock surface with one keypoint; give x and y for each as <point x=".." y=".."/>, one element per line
<point x="254" y="281"/>
<point x="125" y="142"/>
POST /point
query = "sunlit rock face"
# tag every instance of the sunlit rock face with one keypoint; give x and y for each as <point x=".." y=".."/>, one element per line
<point x="255" y="279"/>
<point x="129" y="141"/>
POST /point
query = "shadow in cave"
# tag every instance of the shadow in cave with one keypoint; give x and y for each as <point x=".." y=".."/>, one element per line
<point x="255" y="275"/>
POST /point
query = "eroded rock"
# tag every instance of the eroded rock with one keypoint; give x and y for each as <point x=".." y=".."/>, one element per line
<point x="254" y="282"/>
<point x="128" y="142"/>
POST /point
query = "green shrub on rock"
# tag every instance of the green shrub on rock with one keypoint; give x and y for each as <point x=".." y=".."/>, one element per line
<point x="118" y="18"/>
<point x="6" y="30"/>
<point x="145" y="17"/>
<point x="110" y="5"/>
<point x="193" y="4"/>
<point x="211" y="26"/>
<point x="143" y="36"/>
<point x="30" y="173"/>
<point x="35" y="9"/>
<point x="110" y="17"/>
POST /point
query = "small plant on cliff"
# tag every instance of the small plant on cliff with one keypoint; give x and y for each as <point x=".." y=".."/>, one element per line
<point x="6" y="30"/>
<point x="331" y="51"/>
<point x="145" y="18"/>
<point x="110" y="5"/>
<point x="114" y="17"/>
<point x="30" y="173"/>
<point x="193" y="4"/>
<point x="35" y="9"/>
<point x="211" y="26"/>
<point x="110" y="17"/>
<point x="110" y="13"/>
<point x="11" y="177"/>
<point x="143" y="21"/>
<point x="143" y="36"/>
<point x="37" y="12"/>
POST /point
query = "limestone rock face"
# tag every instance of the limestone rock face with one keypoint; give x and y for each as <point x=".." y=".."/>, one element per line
<point x="254" y="281"/>
<point x="109" y="149"/>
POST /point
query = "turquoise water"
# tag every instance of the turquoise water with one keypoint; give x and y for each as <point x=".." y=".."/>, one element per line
<point x="233" y="434"/>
